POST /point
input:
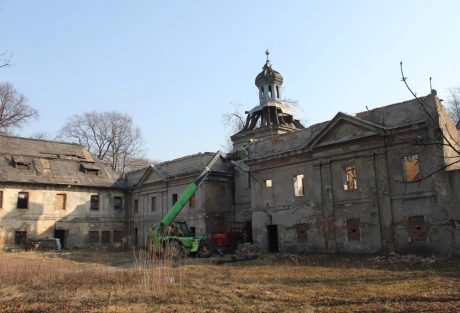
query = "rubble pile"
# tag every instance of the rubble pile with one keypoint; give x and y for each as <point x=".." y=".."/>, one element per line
<point x="393" y="258"/>
<point x="247" y="250"/>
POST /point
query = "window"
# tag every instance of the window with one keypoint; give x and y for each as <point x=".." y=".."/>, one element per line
<point x="269" y="91"/>
<point x="298" y="186"/>
<point x="268" y="183"/>
<point x="174" y="198"/>
<point x="21" y="162"/>
<point x="262" y="91"/>
<point x="117" y="201"/>
<point x="105" y="236"/>
<point x="23" y="200"/>
<point x="117" y="235"/>
<point x="349" y="178"/>
<point x="191" y="202"/>
<point x="94" y="237"/>
<point x="154" y="203"/>
<point x="277" y="92"/>
<point x="302" y="232"/>
<point x="136" y="205"/>
<point x="90" y="170"/>
<point x="1" y="199"/>
<point x="417" y="228"/>
<point x="94" y="205"/>
<point x="353" y="231"/>
<point x="411" y="166"/>
<point x="60" y="201"/>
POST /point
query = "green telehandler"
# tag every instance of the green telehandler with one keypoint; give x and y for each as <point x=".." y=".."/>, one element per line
<point x="175" y="238"/>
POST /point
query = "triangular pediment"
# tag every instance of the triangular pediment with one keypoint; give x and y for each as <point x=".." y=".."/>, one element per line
<point x="342" y="128"/>
<point x="153" y="174"/>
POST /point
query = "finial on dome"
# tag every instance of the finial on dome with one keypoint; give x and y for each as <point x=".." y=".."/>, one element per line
<point x="267" y="53"/>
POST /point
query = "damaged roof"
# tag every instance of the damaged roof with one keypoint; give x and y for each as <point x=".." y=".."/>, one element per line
<point x="26" y="160"/>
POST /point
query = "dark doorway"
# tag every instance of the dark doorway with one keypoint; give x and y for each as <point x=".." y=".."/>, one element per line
<point x="60" y="233"/>
<point x="272" y="231"/>
<point x="135" y="236"/>
<point x="20" y="238"/>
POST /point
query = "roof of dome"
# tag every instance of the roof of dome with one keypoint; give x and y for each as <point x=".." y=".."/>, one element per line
<point x="268" y="73"/>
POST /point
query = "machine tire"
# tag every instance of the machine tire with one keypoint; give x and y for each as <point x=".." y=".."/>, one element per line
<point x="173" y="249"/>
<point x="205" y="249"/>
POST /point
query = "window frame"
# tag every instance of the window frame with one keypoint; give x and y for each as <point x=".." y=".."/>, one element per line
<point x="192" y="201"/>
<point x="91" y="203"/>
<point x="299" y="191"/>
<point x="349" y="184"/>
<point x="64" y="201"/>
<point x="409" y="159"/>
<point x="268" y="183"/>
<point x="153" y="203"/>
<point x="136" y="206"/>
<point x="115" y="206"/>
<point x="26" y="193"/>
<point x="93" y="232"/>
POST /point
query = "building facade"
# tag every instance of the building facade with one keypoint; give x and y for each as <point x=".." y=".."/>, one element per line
<point x="372" y="182"/>
<point x="58" y="190"/>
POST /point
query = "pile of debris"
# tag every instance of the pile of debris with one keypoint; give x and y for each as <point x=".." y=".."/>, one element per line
<point x="247" y="250"/>
<point x="393" y="257"/>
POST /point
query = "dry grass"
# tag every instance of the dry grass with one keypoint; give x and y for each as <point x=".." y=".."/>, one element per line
<point x="86" y="281"/>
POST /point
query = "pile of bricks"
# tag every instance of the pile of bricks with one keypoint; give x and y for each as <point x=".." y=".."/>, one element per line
<point x="247" y="250"/>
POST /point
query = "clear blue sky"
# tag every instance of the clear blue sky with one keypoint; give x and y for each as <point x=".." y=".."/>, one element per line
<point x="176" y="66"/>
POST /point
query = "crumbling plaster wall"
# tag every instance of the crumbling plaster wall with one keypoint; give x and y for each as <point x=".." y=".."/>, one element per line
<point x="42" y="218"/>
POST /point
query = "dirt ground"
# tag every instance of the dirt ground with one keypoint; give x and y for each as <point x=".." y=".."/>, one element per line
<point x="105" y="281"/>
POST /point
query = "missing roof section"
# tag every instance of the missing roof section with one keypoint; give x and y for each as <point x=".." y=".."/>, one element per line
<point x="90" y="169"/>
<point x="21" y="162"/>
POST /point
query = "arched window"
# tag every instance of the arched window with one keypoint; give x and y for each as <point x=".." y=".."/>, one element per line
<point x="269" y="91"/>
<point x="277" y="92"/>
<point x="262" y="91"/>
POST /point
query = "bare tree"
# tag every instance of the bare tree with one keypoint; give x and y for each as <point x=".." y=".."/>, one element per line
<point x="42" y="135"/>
<point x="111" y="136"/>
<point x="6" y="59"/>
<point x="453" y="105"/>
<point x="14" y="110"/>
<point x="134" y="164"/>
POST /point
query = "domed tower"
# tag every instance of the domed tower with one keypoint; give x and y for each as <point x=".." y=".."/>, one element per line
<point x="271" y="117"/>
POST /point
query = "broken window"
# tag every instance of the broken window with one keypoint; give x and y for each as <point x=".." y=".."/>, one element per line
<point x="105" y="236"/>
<point x="90" y="170"/>
<point x="191" y="202"/>
<point x="94" y="204"/>
<point x="117" y="235"/>
<point x="302" y="232"/>
<point x="349" y="178"/>
<point x="23" y="200"/>
<point x="60" y="201"/>
<point x="417" y="228"/>
<point x="21" y="163"/>
<point x="136" y="205"/>
<point x="154" y="203"/>
<point x="411" y="166"/>
<point x="298" y="186"/>
<point x="174" y="198"/>
<point x="353" y="231"/>
<point x="268" y="183"/>
<point x="93" y="236"/>
<point x="117" y="202"/>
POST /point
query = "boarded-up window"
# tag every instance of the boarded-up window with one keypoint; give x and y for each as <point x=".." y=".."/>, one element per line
<point x="268" y="183"/>
<point x="417" y="228"/>
<point x="353" y="231"/>
<point x="154" y="203"/>
<point x="302" y="232"/>
<point x="411" y="166"/>
<point x="105" y="236"/>
<point x="94" y="237"/>
<point x="60" y="201"/>
<point x="298" y="186"/>
<point x="117" y="235"/>
<point x="349" y="178"/>
<point x="136" y="205"/>
<point x="117" y="201"/>
<point x="174" y="198"/>
<point x="94" y="204"/>
<point x="1" y="199"/>
<point x="23" y="200"/>
<point x="191" y="202"/>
